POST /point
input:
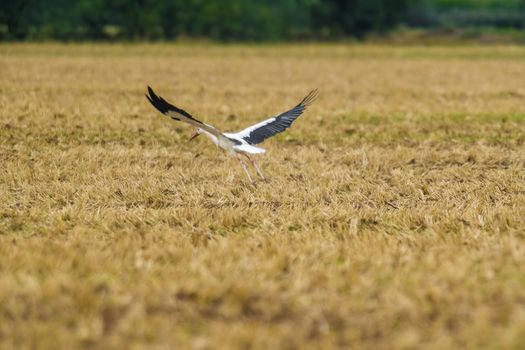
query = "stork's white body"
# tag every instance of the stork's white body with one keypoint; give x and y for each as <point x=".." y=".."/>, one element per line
<point x="223" y="143"/>
<point x="230" y="147"/>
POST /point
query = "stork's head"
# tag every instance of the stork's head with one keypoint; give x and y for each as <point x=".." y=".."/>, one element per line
<point x="196" y="133"/>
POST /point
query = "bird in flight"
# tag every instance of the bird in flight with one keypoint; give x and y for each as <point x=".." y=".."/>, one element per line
<point x="243" y="142"/>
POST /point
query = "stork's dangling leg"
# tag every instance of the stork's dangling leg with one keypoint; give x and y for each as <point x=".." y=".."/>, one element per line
<point x="259" y="171"/>
<point x="256" y="166"/>
<point x="245" y="168"/>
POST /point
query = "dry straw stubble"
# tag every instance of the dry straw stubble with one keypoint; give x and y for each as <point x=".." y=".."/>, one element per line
<point x="393" y="218"/>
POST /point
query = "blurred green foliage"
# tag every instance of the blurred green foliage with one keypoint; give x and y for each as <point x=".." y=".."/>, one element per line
<point x="242" y="19"/>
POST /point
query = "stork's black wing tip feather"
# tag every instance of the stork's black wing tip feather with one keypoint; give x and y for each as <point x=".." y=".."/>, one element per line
<point x="149" y="98"/>
<point x="151" y="92"/>
<point x="157" y="101"/>
<point x="310" y="98"/>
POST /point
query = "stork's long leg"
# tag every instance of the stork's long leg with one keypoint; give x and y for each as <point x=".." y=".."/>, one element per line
<point x="256" y="166"/>
<point x="245" y="168"/>
<point x="259" y="171"/>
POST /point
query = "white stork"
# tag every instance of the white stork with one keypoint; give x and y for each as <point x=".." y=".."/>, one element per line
<point x="242" y="142"/>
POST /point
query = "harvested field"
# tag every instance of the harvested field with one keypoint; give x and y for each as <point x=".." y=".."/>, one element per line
<point x="394" y="216"/>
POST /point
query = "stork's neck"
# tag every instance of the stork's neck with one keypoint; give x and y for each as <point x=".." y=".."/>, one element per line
<point x="212" y="137"/>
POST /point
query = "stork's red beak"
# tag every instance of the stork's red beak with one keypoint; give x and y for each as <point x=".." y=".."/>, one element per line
<point x="194" y="135"/>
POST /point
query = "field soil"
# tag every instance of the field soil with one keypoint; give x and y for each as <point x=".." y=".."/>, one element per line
<point x="393" y="218"/>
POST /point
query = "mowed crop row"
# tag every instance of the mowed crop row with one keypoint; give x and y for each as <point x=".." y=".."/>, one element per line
<point x="393" y="218"/>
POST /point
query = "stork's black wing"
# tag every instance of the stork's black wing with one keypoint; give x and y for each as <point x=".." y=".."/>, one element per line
<point x="261" y="131"/>
<point x="176" y="113"/>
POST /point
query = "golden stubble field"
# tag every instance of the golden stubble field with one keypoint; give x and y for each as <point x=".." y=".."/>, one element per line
<point x="394" y="216"/>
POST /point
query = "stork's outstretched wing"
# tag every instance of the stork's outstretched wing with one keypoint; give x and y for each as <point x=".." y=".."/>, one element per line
<point x="176" y="113"/>
<point x="261" y="131"/>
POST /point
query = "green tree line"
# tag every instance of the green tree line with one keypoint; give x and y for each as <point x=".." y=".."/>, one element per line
<point x="243" y="20"/>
